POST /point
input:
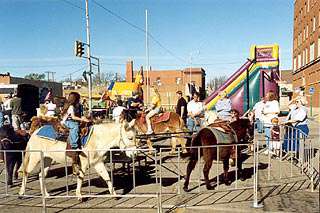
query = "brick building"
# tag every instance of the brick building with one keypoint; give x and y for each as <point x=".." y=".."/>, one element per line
<point x="31" y="92"/>
<point x="169" y="81"/>
<point x="7" y="79"/>
<point x="306" y="47"/>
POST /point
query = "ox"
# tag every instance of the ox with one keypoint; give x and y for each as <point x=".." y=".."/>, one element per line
<point x="103" y="137"/>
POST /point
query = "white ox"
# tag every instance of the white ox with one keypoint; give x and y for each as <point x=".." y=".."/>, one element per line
<point x="103" y="137"/>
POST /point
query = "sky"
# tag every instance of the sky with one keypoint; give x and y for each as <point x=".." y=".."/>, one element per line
<point x="38" y="35"/>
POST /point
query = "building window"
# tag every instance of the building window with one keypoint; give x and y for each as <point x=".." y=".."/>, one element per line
<point x="305" y="8"/>
<point x="312" y="52"/>
<point x="158" y="81"/>
<point x="178" y="80"/>
<point x="314" y="24"/>
<point x="307" y="31"/>
<point x="303" y="58"/>
<point x="294" y="63"/>
<point x="318" y="47"/>
<point x="299" y="61"/>
<point x="308" y="5"/>
<point x="306" y="54"/>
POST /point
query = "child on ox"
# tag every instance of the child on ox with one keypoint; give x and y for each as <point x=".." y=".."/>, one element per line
<point x="72" y="116"/>
<point x="154" y="109"/>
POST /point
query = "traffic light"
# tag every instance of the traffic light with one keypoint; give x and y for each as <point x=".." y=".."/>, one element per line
<point x="79" y="48"/>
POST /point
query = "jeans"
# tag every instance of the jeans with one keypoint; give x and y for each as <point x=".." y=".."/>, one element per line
<point x="192" y="126"/>
<point x="267" y="132"/>
<point x="259" y="125"/>
<point x="292" y="138"/>
<point x="16" y="122"/>
<point x="73" y="126"/>
<point x="1" y="119"/>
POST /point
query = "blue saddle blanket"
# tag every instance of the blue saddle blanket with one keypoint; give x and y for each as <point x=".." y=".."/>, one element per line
<point x="47" y="131"/>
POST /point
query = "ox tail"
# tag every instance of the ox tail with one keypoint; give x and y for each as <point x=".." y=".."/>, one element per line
<point x="195" y="143"/>
<point x="25" y="161"/>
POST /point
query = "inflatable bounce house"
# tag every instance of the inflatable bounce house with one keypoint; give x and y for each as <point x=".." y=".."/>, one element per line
<point x="257" y="76"/>
<point x="126" y="89"/>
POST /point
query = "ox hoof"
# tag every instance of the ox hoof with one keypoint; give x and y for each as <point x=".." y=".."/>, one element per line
<point x="185" y="188"/>
<point x="184" y="151"/>
<point x="151" y="152"/>
<point x="209" y="187"/>
<point x="21" y="197"/>
<point x="227" y="182"/>
<point x="231" y="162"/>
<point x="172" y="152"/>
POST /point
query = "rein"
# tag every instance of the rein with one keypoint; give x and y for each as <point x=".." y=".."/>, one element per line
<point x="5" y="140"/>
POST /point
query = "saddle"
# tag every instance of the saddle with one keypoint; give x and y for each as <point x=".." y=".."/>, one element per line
<point x="55" y="130"/>
<point x="223" y="132"/>
<point x="222" y="125"/>
<point x="162" y="117"/>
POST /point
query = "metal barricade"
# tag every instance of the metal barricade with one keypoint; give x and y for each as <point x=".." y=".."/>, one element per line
<point x="295" y="146"/>
<point x="168" y="167"/>
<point x="174" y="167"/>
<point x="134" y="193"/>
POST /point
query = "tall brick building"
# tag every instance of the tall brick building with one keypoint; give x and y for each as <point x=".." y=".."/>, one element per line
<point x="169" y="81"/>
<point x="306" y="47"/>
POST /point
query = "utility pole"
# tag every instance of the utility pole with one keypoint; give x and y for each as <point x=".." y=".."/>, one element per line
<point x="147" y="57"/>
<point x="89" y="58"/>
<point x="190" y="69"/>
<point x="48" y="75"/>
<point x="98" y="65"/>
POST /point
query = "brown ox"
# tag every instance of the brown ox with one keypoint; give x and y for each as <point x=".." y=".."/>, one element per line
<point x="172" y="124"/>
<point x="206" y="137"/>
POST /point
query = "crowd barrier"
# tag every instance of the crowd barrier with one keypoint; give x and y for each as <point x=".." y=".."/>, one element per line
<point x="168" y="166"/>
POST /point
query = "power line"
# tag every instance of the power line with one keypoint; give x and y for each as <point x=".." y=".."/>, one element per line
<point x="72" y="4"/>
<point x="37" y="66"/>
<point x="74" y="72"/>
<point x="140" y="29"/>
<point x="48" y="75"/>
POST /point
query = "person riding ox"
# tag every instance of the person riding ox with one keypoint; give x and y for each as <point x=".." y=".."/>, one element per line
<point x="224" y="107"/>
<point x="195" y="113"/>
<point x="135" y="104"/>
<point x="71" y="118"/>
<point x="154" y="109"/>
<point x="103" y="137"/>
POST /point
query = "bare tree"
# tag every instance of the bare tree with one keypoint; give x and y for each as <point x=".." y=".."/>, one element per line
<point x="216" y="82"/>
<point x="107" y="77"/>
<point x="35" y="76"/>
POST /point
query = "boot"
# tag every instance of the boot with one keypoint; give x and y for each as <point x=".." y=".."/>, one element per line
<point x="149" y="131"/>
<point x="75" y="163"/>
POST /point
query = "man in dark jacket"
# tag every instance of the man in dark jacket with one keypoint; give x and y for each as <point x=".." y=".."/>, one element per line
<point x="181" y="108"/>
<point x="16" y="112"/>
